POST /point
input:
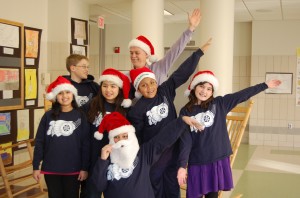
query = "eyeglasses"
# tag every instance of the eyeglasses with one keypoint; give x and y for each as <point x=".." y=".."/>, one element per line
<point x="83" y="66"/>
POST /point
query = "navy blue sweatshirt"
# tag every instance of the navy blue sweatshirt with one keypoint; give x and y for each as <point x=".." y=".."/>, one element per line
<point x="86" y="89"/>
<point x="138" y="184"/>
<point x="213" y="142"/>
<point x="62" y="145"/>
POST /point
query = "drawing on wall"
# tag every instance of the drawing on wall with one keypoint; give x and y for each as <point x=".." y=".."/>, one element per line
<point x="9" y="35"/>
<point x="286" y="83"/>
<point x="6" y="154"/>
<point x="5" y="119"/>
<point x="32" y="46"/>
<point x="30" y="84"/>
<point x="23" y="124"/>
<point x="79" y="49"/>
<point x="9" y="79"/>
<point x="79" y="31"/>
<point x="31" y="43"/>
<point x="38" y="114"/>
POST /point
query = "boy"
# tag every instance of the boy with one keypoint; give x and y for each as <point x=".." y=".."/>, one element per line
<point x="78" y="67"/>
<point x="153" y="111"/>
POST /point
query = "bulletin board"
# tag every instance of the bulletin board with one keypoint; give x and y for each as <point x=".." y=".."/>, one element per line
<point x="11" y="65"/>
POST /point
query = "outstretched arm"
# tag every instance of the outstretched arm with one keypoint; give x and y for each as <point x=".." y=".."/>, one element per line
<point x="162" y="67"/>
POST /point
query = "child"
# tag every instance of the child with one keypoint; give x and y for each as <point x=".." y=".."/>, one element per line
<point x="126" y="173"/>
<point x="207" y="152"/>
<point x="112" y="96"/>
<point x="62" y="142"/>
<point x="78" y="66"/>
<point x="142" y="50"/>
<point x="153" y="111"/>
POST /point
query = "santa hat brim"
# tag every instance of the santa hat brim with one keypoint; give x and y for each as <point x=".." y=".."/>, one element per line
<point x="140" y="44"/>
<point x="111" y="78"/>
<point x="62" y="87"/>
<point x="141" y="76"/>
<point x="205" y="78"/>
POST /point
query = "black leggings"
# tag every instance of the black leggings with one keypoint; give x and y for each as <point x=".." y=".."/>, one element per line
<point x="62" y="186"/>
<point x="212" y="195"/>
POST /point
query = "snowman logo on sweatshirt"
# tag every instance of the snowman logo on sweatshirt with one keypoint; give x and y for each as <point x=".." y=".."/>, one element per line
<point x="62" y="127"/>
<point x="157" y="113"/>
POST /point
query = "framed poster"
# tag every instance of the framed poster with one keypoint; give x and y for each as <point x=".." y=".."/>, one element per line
<point x="78" y="49"/>
<point x="11" y="65"/>
<point x="32" y="44"/>
<point x="286" y="85"/>
<point x="79" y="31"/>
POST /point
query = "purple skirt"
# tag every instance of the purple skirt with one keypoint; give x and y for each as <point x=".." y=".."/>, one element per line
<point x="212" y="177"/>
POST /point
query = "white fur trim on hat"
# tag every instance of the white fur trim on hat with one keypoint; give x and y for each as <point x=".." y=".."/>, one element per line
<point x="140" y="44"/>
<point x="111" y="78"/>
<point x="62" y="87"/>
<point x="141" y="76"/>
<point x="98" y="135"/>
<point x="205" y="78"/>
<point x="119" y="130"/>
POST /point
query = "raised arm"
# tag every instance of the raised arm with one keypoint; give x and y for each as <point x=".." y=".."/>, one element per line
<point x="162" y="67"/>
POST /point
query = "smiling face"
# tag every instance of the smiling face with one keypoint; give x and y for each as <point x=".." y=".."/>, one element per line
<point x="203" y="91"/>
<point x="110" y="91"/>
<point x="138" y="57"/>
<point x="148" y="87"/>
<point x="65" y="98"/>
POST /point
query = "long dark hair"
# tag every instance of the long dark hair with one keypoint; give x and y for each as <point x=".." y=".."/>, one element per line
<point x="193" y="99"/>
<point x="56" y="107"/>
<point x="97" y="105"/>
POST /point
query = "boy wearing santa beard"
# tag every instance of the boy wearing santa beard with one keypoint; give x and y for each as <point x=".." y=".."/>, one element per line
<point x="124" y="166"/>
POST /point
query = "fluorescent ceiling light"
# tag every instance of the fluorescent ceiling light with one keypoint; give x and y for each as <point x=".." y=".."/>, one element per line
<point x="167" y="13"/>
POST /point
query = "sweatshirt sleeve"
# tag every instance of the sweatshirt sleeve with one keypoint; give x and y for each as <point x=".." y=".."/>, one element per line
<point x="165" y="138"/>
<point x="162" y="67"/>
<point x="135" y="117"/>
<point x="185" y="146"/>
<point x="231" y="100"/>
<point x="39" y="142"/>
<point x="99" y="176"/>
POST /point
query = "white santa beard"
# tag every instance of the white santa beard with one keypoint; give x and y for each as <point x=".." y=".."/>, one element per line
<point x="124" y="152"/>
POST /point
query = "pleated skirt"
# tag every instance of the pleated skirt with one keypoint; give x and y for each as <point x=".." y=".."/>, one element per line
<point x="212" y="177"/>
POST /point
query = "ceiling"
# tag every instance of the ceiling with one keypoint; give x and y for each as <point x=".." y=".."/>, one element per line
<point x="119" y="11"/>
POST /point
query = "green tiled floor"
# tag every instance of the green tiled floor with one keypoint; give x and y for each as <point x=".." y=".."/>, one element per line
<point x="266" y="172"/>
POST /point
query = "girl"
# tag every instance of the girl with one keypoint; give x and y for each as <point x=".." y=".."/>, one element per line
<point x="112" y="96"/>
<point x="62" y="142"/>
<point x="207" y="152"/>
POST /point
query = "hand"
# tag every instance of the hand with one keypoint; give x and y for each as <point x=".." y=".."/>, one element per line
<point x="82" y="175"/>
<point x="181" y="176"/>
<point x="206" y="45"/>
<point x="273" y="83"/>
<point x="193" y="123"/>
<point x="194" y="19"/>
<point x="36" y="175"/>
<point x="106" y="150"/>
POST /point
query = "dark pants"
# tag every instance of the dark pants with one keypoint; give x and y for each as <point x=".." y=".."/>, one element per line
<point x="91" y="189"/>
<point x="62" y="186"/>
<point x="212" y="195"/>
<point x="83" y="190"/>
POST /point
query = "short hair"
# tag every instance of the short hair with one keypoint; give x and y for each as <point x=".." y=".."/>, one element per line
<point x="74" y="59"/>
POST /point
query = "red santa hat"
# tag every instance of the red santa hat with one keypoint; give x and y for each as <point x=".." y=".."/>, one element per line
<point x="137" y="75"/>
<point x="143" y="43"/>
<point x="121" y="80"/>
<point x="115" y="124"/>
<point x="60" y="84"/>
<point x="202" y="76"/>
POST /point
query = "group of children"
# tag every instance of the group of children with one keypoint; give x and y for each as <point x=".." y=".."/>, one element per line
<point x="93" y="133"/>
